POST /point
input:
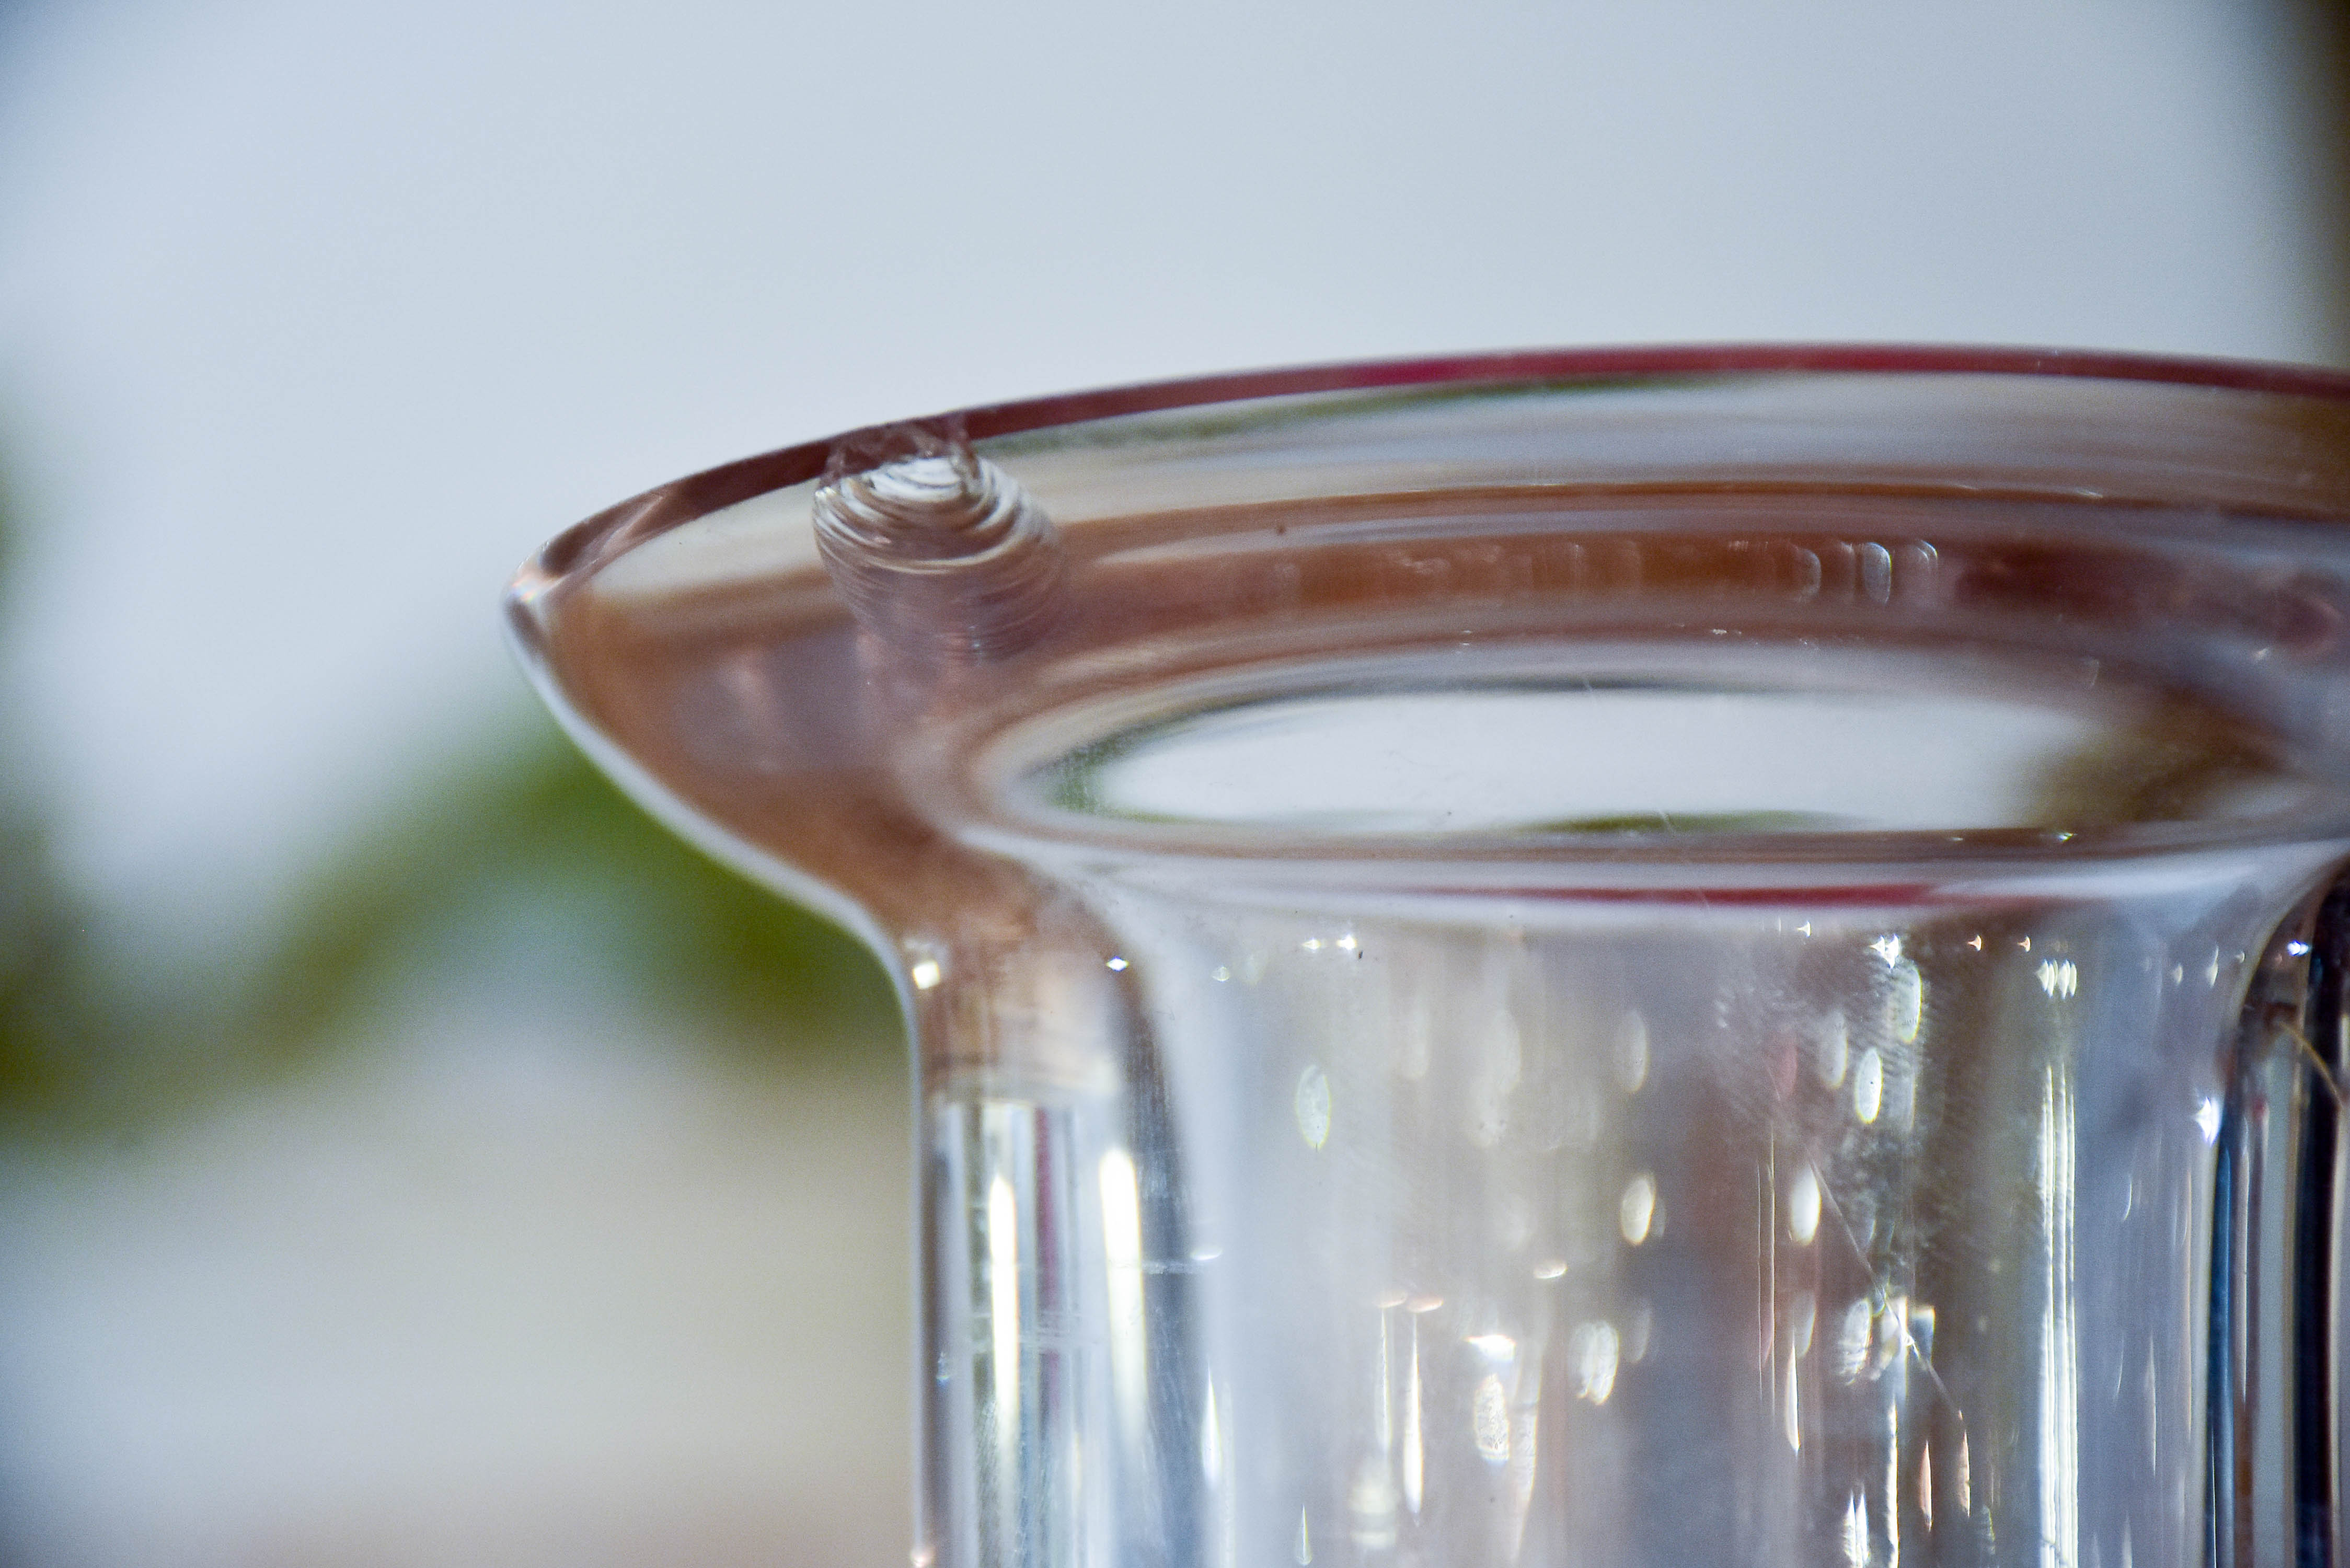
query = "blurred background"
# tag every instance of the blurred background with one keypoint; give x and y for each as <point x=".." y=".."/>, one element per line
<point x="407" y="1154"/>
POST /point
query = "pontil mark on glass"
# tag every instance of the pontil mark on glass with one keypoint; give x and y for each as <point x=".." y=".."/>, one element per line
<point x="938" y="553"/>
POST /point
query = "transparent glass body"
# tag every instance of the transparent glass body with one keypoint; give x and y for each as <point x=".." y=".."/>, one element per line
<point x="1687" y="956"/>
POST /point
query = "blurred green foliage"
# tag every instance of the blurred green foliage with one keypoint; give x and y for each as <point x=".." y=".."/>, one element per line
<point x="44" y="991"/>
<point x="48" y="1022"/>
<point x="521" y="882"/>
<point x="534" y="873"/>
<point x="524" y="882"/>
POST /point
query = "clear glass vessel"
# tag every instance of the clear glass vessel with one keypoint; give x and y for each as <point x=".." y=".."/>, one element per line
<point x="1615" y="958"/>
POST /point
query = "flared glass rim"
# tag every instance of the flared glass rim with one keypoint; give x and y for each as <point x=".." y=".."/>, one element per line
<point x="574" y="558"/>
<point x="580" y="549"/>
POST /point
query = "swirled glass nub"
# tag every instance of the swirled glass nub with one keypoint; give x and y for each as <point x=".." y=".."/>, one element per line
<point x="940" y="554"/>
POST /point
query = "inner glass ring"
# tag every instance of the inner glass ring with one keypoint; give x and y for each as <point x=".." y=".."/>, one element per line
<point x="1385" y="748"/>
